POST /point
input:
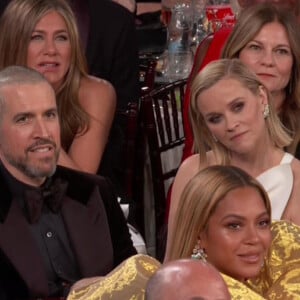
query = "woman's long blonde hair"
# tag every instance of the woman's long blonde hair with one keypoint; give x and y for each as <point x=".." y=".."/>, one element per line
<point x="16" y="26"/>
<point x="250" y="22"/>
<point x="207" y="78"/>
<point x="199" y="200"/>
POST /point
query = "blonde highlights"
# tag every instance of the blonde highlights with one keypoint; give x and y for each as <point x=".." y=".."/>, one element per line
<point x="199" y="200"/>
<point x="207" y="78"/>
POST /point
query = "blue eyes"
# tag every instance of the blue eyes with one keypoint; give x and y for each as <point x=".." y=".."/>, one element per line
<point x="214" y="119"/>
<point x="235" y="107"/>
<point x="238" y="106"/>
<point x="40" y="37"/>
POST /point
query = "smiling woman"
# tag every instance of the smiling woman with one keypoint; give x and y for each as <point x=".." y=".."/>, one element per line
<point x="232" y="115"/>
<point x="46" y="39"/>
<point x="227" y="210"/>
<point x="224" y="218"/>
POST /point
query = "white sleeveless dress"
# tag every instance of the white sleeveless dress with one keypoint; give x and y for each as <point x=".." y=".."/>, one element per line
<point x="278" y="182"/>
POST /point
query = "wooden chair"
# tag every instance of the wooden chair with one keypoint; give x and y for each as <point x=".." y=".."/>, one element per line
<point x="147" y="76"/>
<point x="134" y="149"/>
<point x="162" y="122"/>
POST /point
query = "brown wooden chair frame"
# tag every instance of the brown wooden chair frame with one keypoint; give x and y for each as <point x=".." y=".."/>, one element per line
<point x="160" y="110"/>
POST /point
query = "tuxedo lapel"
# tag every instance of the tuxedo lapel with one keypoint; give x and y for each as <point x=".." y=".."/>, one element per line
<point x="89" y="234"/>
<point x="18" y="245"/>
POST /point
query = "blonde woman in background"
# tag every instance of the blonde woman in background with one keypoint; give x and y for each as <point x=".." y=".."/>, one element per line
<point x="232" y="114"/>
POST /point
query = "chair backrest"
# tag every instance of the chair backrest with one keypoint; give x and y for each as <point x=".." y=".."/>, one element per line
<point x="162" y="121"/>
<point x="147" y="75"/>
<point x="133" y="155"/>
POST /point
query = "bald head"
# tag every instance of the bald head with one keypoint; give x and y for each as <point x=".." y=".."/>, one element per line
<point x="187" y="279"/>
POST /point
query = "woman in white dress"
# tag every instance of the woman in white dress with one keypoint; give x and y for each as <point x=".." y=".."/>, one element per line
<point x="232" y="115"/>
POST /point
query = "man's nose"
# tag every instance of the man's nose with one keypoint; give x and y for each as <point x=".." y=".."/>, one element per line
<point x="41" y="129"/>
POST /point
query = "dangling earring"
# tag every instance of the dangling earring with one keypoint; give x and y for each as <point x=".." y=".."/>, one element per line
<point x="198" y="252"/>
<point x="266" y="112"/>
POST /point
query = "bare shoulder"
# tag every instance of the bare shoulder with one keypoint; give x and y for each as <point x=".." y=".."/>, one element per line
<point x="296" y="168"/>
<point x="189" y="167"/>
<point x="187" y="170"/>
<point x="94" y="87"/>
<point x="296" y="172"/>
<point x="96" y="82"/>
<point x="293" y="206"/>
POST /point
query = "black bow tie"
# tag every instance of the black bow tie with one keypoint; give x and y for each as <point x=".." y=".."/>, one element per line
<point x="51" y="194"/>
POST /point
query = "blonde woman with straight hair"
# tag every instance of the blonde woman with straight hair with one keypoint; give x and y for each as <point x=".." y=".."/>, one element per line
<point x="266" y="38"/>
<point x="234" y="123"/>
<point x="199" y="201"/>
<point x="43" y="35"/>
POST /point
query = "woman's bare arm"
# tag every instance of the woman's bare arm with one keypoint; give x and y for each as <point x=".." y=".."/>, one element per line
<point x="98" y="99"/>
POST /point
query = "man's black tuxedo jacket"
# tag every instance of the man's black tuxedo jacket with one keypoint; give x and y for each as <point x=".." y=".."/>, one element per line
<point x="89" y="207"/>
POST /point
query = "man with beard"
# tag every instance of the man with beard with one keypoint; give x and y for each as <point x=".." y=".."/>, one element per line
<point x="56" y="225"/>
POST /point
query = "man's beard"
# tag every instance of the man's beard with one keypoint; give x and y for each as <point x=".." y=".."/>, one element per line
<point x="36" y="170"/>
<point x="45" y="167"/>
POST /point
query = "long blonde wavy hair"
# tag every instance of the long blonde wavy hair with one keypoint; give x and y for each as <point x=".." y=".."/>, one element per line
<point x="16" y="26"/>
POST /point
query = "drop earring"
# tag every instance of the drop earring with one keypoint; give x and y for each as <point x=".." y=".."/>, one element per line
<point x="266" y="112"/>
<point x="198" y="252"/>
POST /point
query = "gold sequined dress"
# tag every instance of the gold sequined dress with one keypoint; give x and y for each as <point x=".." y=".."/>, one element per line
<point x="279" y="278"/>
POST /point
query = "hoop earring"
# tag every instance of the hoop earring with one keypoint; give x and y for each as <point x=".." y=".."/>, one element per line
<point x="266" y="112"/>
<point x="199" y="253"/>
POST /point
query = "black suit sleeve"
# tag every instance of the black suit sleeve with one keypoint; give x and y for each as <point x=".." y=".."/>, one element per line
<point x="121" y="240"/>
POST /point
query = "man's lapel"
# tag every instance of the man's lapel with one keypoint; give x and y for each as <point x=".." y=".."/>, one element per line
<point x="17" y="244"/>
<point x="89" y="234"/>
